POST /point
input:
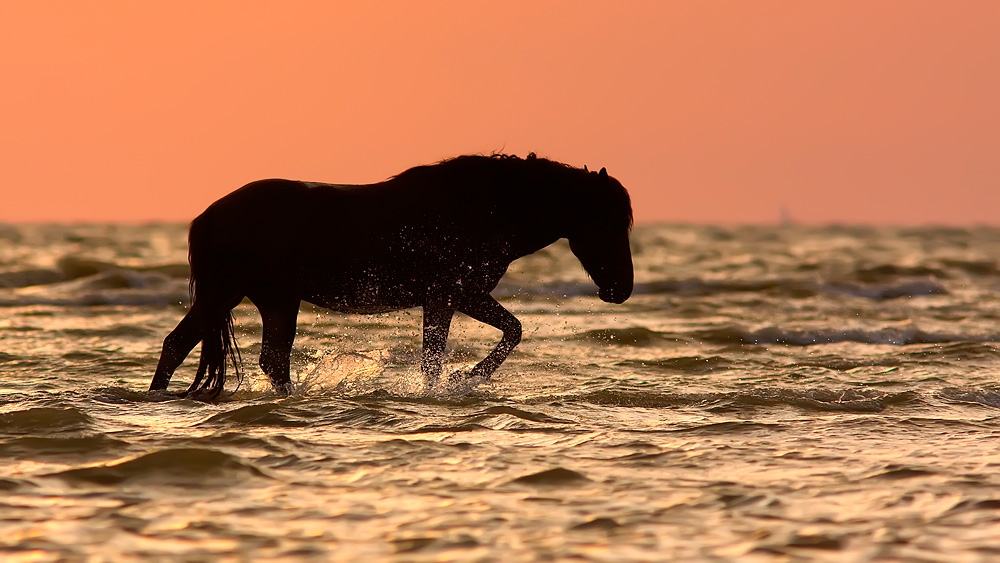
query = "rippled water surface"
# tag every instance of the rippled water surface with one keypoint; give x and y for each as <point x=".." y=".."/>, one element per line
<point x="818" y="393"/>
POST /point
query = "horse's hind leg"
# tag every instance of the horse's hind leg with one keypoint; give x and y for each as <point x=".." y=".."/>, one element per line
<point x="279" y="318"/>
<point x="487" y="310"/>
<point x="176" y="346"/>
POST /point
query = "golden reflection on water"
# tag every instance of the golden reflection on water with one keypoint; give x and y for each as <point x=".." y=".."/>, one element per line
<point x="767" y="394"/>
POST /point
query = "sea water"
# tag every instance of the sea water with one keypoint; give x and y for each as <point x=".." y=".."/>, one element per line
<point x="767" y="392"/>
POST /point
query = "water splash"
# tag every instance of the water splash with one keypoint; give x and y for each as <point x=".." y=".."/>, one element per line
<point x="459" y="383"/>
<point x="347" y="373"/>
<point x="365" y="373"/>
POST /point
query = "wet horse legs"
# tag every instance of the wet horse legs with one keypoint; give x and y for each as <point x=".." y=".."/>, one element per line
<point x="176" y="346"/>
<point x="278" y="318"/>
<point x="487" y="310"/>
<point x="437" y="322"/>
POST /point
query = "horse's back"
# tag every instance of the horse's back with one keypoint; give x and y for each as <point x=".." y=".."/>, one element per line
<point x="253" y="220"/>
<point x="275" y="206"/>
<point x="263" y="197"/>
<point x="282" y="222"/>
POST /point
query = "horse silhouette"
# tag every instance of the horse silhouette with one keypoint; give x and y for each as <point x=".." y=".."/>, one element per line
<point x="438" y="237"/>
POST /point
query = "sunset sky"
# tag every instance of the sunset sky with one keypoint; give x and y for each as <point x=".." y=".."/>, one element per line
<point x="883" y="112"/>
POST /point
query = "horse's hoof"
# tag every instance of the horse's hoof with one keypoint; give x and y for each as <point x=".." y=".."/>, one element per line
<point x="201" y="396"/>
<point x="430" y="383"/>
<point x="284" y="389"/>
<point x="459" y="376"/>
<point x="463" y="376"/>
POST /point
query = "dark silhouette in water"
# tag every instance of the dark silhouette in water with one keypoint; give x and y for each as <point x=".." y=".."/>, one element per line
<point x="438" y="237"/>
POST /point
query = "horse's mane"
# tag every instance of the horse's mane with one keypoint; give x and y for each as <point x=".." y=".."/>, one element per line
<point x="506" y="165"/>
<point x="495" y="161"/>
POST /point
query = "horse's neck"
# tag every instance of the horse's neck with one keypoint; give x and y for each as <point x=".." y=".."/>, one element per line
<point x="553" y="219"/>
<point x="541" y="231"/>
<point x="526" y="246"/>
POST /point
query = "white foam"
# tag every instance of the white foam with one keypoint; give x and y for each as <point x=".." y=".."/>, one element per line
<point x="348" y="373"/>
<point x="357" y="373"/>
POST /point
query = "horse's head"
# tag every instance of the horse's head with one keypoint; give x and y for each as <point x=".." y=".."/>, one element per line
<point x="599" y="235"/>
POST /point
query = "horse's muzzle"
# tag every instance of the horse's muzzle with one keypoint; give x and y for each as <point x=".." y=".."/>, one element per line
<point x="613" y="295"/>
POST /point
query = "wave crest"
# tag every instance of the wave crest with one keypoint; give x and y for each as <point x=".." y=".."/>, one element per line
<point x="188" y="467"/>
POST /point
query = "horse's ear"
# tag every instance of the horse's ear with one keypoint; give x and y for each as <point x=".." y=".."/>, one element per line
<point x="531" y="156"/>
<point x="603" y="173"/>
<point x="585" y="168"/>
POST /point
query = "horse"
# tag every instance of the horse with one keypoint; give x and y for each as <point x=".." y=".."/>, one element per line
<point x="437" y="236"/>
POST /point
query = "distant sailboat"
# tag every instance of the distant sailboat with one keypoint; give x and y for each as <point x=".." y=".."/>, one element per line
<point x="784" y="217"/>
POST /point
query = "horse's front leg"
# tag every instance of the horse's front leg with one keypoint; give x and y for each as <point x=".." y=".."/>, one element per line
<point x="437" y="322"/>
<point x="176" y="346"/>
<point x="487" y="310"/>
<point x="278" y="317"/>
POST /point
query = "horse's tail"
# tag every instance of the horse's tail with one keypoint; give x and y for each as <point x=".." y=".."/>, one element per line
<point x="213" y="297"/>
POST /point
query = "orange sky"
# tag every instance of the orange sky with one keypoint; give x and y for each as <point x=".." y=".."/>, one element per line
<point x="843" y="111"/>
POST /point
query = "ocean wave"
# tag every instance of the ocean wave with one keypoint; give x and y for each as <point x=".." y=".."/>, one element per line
<point x="7" y="485"/>
<point x="128" y="296"/>
<point x="634" y="399"/>
<point x="456" y="427"/>
<point x="792" y="288"/>
<point x="29" y="277"/>
<point x="819" y="400"/>
<point x="822" y="400"/>
<point x="981" y="397"/>
<point x="80" y="282"/>
<point x="237" y="439"/>
<point x="730" y="427"/>
<point x="512" y="419"/>
<point x="73" y="267"/>
<point x="555" y="477"/>
<point x="186" y="467"/>
<point x="45" y="420"/>
<point x="84" y="282"/>
<point x="922" y="356"/>
<point x="364" y="417"/>
<point x="125" y="330"/>
<point x="838" y="363"/>
<point x="947" y="424"/>
<point x="965" y="350"/>
<point x="704" y="287"/>
<point x="894" y="336"/>
<point x="889" y="272"/>
<point x="629" y="336"/>
<point x="522" y="414"/>
<point x="371" y="415"/>
<point x="263" y="414"/>
<point x="894" y="472"/>
<point x="695" y="365"/>
<point x="973" y="267"/>
<point x="877" y="292"/>
<point x="34" y="447"/>
<point x="70" y="268"/>
<point x="122" y="395"/>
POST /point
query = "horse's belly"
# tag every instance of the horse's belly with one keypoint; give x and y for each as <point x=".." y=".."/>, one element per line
<point x="362" y="304"/>
<point x="363" y="294"/>
<point x="390" y="283"/>
<point x="361" y="309"/>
